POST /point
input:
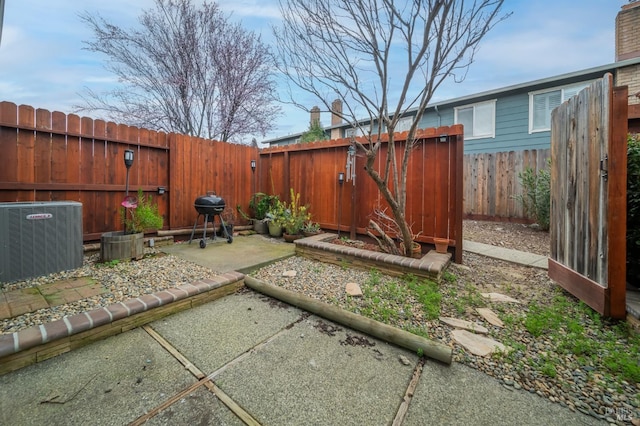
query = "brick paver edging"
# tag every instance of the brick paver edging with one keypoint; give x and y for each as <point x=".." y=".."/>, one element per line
<point x="41" y="342"/>
<point x="316" y="247"/>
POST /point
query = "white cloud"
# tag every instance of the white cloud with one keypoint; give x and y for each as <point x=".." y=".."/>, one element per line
<point x="42" y="62"/>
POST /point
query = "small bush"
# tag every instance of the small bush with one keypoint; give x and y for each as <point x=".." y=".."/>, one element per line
<point x="536" y="196"/>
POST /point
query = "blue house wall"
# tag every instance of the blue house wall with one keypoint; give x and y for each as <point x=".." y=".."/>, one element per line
<point x="511" y="127"/>
<point x="511" y="113"/>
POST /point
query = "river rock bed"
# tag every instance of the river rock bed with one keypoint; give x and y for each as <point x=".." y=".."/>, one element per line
<point x="121" y="280"/>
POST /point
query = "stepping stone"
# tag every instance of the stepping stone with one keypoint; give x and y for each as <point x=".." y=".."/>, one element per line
<point x="477" y="345"/>
<point x="465" y="325"/>
<point x="289" y="274"/>
<point x="490" y="316"/>
<point x="497" y="297"/>
<point x="354" y="290"/>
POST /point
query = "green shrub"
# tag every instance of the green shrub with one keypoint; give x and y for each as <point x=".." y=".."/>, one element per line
<point x="140" y="214"/>
<point x="536" y="196"/>
<point x="315" y="133"/>
<point x="633" y="210"/>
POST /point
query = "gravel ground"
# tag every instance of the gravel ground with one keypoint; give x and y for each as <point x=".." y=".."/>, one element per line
<point x="579" y="387"/>
<point x="122" y="280"/>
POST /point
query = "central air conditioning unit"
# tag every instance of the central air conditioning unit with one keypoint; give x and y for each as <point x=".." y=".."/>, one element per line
<point x="39" y="238"/>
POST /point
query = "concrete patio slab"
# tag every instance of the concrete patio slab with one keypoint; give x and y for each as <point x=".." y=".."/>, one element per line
<point x="515" y="256"/>
<point x="110" y="382"/>
<point x="245" y="254"/>
<point x="212" y="335"/>
<point x="200" y="407"/>
<point x="320" y="373"/>
<point x="460" y="395"/>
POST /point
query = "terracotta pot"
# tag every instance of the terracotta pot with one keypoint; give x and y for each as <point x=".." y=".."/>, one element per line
<point x="441" y="244"/>
<point x="291" y="237"/>
<point x="416" y="253"/>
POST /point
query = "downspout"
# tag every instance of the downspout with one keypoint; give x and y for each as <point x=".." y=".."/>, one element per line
<point x="435" y="107"/>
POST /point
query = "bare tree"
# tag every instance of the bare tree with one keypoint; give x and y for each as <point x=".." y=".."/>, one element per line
<point x="187" y="70"/>
<point x="349" y="50"/>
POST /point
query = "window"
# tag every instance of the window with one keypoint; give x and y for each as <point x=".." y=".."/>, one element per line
<point x="479" y="120"/>
<point x="542" y="103"/>
<point x="404" y="124"/>
<point x="353" y="132"/>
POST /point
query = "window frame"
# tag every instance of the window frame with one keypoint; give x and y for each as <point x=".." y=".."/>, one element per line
<point x="561" y="89"/>
<point x="490" y="135"/>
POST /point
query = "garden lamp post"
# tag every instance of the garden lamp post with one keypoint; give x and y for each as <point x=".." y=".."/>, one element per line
<point x="128" y="161"/>
<point x="253" y="176"/>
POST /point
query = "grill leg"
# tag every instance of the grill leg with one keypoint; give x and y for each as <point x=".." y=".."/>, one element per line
<point x="194" y="229"/>
<point x="206" y="220"/>
<point x="225" y="232"/>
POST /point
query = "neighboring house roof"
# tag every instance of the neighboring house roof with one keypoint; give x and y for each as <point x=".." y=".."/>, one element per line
<point x="558" y="80"/>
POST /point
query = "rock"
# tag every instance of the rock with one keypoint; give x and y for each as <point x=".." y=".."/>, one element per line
<point x="404" y="360"/>
<point x="353" y="290"/>
<point x="477" y="345"/>
<point x="490" y="316"/>
<point x="465" y="325"/>
<point x="497" y="297"/>
<point x="289" y="274"/>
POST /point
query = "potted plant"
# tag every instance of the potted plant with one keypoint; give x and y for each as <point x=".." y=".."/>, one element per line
<point x="310" y="228"/>
<point x="259" y="205"/>
<point x="138" y="214"/>
<point x="275" y="218"/>
<point x="296" y="215"/>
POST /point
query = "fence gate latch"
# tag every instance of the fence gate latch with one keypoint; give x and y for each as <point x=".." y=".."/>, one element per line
<point x="604" y="167"/>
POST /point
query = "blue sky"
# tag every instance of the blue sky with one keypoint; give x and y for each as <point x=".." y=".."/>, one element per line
<point x="42" y="63"/>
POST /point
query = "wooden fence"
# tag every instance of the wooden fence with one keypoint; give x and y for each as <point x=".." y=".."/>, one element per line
<point x="54" y="157"/>
<point x="588" y="196"/>
<point x="434" y="187"/>
<point x="491" y="182"/>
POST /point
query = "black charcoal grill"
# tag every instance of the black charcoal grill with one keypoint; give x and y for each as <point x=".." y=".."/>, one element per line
<point x="210" y="206"/>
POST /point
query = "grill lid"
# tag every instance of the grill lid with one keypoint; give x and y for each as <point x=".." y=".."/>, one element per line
<point x="209" y="201"/>
<point x="209" y="204"/>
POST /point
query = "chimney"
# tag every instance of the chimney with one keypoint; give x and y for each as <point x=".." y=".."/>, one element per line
<point x="336" y="109"/>
<point x="628" y="47"/>
<point x="628" y="31"/>
<point x="315" y="116"/>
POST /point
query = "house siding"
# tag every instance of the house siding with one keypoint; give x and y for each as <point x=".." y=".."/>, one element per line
<point x="512" y="110"/>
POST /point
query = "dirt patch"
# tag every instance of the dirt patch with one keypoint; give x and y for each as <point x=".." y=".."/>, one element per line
<point x="515" y="236"/>
<point x="275" y="303"/>
<point x="328" y="329"/>
<point x="352" y="340"/>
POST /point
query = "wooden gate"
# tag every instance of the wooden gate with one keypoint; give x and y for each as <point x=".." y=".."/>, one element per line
<point x="588" y="196"/>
